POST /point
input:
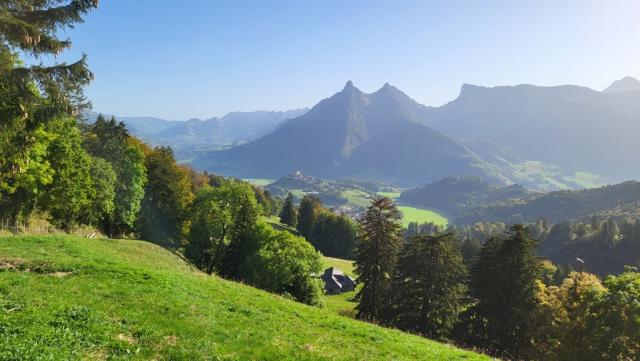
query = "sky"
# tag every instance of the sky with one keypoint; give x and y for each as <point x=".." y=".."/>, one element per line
<point x="181" y="59"/>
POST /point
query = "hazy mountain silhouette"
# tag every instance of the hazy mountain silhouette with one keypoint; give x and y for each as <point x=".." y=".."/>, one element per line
<point x="625" y="84"/>
<point x="574" y="127"/>
<point x="353" y="134"/>
<point x="233" y="128"/>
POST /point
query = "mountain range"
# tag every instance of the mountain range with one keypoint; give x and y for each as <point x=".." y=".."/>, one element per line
<point x="575" y="128"/>
<point x="233" y="128"/>
<point x="387" y="136"/>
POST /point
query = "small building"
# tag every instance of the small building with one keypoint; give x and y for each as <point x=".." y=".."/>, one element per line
<point x="336" y="282"/>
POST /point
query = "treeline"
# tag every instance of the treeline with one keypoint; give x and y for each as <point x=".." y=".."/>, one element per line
<point x="603" y="243"/>
<point x="508" y="302"/>
<point x="334" y="235"/>
<point x="72" y="173"/>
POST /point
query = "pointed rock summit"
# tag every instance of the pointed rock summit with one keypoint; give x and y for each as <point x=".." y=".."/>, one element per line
<point x="626" y="84"/>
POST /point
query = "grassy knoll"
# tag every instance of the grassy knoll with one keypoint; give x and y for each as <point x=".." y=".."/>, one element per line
<point x="412" y="214"/>
<point x="72" y="298"/>
<point x="357" y="198"/>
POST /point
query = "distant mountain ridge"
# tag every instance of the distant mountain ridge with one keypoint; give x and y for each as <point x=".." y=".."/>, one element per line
<point x="383" y="136"/>
<point x="575" y="128"/>
<point x="625" y="84"/>
<point x="352" y="134"/>
<point x="233" y="128"/>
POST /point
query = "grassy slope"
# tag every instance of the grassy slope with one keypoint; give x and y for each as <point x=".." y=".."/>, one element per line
<point x="412" y="214"/>
<point x="72" y="298"/>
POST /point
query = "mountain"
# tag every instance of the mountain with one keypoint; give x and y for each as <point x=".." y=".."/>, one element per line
<point x="352" y="134"/>
<point x="193" y="134"/>
<point x="626" y="84"/>
<point x="454" y="195"/>
<point x="574" y="128"/>
<point x="557" y="206"/>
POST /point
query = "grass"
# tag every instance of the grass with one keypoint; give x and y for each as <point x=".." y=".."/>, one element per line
<point x="392" y="195"/>
<point x="260" y="182"/>
<point x="72" y="298"/>
<point x="412" y="214"/>
<point x="346" y="266"/>
<point x="357" y="198"/>
<point x="342" y="304"/>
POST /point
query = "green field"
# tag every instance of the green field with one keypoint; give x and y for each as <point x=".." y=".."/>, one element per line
<point x="342" y="264"/>
<point x="260" y="182"/>
<point x="412" y="214"/>
<point x="357" y="198"/>
<point x="392" y="195"/>
<point x="72" y="298"/>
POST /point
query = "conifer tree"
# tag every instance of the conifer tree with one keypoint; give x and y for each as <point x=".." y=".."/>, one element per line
<point x="379" y="241"/>
<point x="289" y="214"/>
<point x="429" y="286"/>
<point x="503" y="284"/>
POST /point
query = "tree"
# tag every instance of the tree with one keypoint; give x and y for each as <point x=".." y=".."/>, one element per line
<point x="503" y="285"/>
<point x="110" y="141"/>
<point x="282" y="263"/>
<point x="245" y="212"/>
<point x="334" y="235"/>
<point x="208" y="235"/>
<point x="308" y="212"/>
<point x="429" y="286"/>
<point x="69" y="194"/>
<point x="33" y="96"/>
<point x="167" y="196"/>
<point x="561" y="329"/>
<point x="614" y="320"/>
<point x="221" y="219"/>
<point x="103" y="180"/>
<point x="289" y="214"/>
<point x="379" y="240"/>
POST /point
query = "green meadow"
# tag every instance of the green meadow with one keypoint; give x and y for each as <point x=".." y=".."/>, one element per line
<point x="72" y="298"/>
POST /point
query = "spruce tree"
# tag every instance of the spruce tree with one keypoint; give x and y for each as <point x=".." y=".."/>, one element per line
<point x="429" y="287"/>
<point x="289" y="214"/>
<point x="379" y="241"/>
<point x="503" y="285"/>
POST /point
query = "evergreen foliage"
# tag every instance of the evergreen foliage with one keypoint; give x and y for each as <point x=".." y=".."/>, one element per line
<point x="289" y="214"/>
<point x="429" y="286"/>
<point x="379" y="241"/>
<point x="503" y="285"/>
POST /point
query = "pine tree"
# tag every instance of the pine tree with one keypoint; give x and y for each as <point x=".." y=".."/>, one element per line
<point x="503" y="284"/>
<point x="379" y="241"/>
<point x="429" y="286"/>
<point x="289" y="214"/>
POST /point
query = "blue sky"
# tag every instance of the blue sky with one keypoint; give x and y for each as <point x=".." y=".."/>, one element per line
<point x="179" y="59"/>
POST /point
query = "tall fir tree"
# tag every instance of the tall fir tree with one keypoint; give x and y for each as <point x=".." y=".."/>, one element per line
<point x="379" y="241"/>
<point x="429" y="287"/>
<point x="289" y="214"/>
<point x="503" y="285"/>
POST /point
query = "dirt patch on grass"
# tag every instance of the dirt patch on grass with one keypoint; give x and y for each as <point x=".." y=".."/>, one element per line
<point x="125" y="338"/>
<point x="20" y="265"/>
<point x="171" y="340"/>
<point x="11" y="264"/>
